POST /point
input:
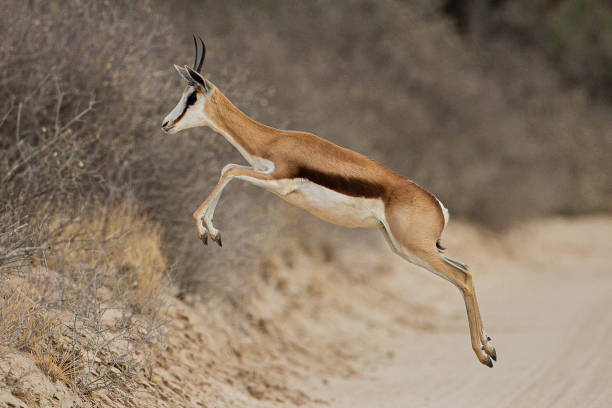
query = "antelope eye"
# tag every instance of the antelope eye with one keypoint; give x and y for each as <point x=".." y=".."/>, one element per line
<point x="193" y="97"/>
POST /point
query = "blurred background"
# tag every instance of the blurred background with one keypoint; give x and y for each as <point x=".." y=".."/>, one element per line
<point x="500" y="108"/>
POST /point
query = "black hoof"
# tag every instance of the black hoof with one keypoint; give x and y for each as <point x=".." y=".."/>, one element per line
<point x="489" y="363"/>
<point x="205" y="239"/>
<point x="494" y="355"/>
<point x="217" y="239"/>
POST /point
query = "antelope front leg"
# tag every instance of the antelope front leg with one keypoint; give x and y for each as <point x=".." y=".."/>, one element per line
<point x="203" y="219"/>
<point x="203" y="216"/>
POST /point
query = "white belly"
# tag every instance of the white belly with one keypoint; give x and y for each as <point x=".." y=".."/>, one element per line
<point x="329" y="205"/>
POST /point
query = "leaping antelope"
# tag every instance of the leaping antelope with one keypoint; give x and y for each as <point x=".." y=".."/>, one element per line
<point x="334" y="183"/>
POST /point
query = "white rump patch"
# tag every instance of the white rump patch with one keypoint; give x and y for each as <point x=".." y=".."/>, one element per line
<point x="444" y="212"/>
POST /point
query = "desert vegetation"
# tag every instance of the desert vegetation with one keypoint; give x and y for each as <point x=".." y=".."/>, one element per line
<point x="87" y="310"/>
<point x="501" y="110"/>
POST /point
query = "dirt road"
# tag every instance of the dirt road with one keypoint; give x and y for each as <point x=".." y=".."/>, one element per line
<point x="548" y="307"/>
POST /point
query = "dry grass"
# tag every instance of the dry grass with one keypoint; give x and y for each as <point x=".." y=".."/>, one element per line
<point x="24" y="323"/>
<point x="125" y="241"/>
<point x="29" y="327"/>
<point x="86" y="312"/>
<point x="64" y="365"/>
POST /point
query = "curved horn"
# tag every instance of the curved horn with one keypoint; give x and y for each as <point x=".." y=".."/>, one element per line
<point x="199" y="67"/>
<point x="195" y="58"/>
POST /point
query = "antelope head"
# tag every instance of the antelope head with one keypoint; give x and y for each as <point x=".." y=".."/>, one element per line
<point x="189" y="112"/>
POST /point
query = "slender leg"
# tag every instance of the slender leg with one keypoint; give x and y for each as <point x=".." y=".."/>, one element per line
<point x="203" y="216"/>
<point x="487" y="346"/>
<point x="462" y="279"/>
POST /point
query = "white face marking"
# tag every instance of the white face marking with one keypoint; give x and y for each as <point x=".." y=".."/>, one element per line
<point x="186" y="115"/>
<point x="183" y="116"/>
<point x="194" y="116"/>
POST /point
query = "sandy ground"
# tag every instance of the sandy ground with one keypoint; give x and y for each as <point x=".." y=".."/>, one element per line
<point x="345" y="323"/>
<point x="549" y="311"/>
<point x="364" y="329"/>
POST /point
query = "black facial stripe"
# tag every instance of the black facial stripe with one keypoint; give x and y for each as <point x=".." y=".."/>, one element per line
<point x="192" y="98"/>
<point x="181" y="115"/>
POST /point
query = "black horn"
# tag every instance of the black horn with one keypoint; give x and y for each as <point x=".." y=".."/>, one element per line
<point x="195" y="58"/>
<point x="197" y="65"/>
<point x="201" y="56"/>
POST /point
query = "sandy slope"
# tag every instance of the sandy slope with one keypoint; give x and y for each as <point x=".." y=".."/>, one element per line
<point x="348" y="324"/>
<point x="548" y="307"/>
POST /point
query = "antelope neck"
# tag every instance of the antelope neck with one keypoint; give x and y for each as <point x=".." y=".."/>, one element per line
<point x="247" y="135"/>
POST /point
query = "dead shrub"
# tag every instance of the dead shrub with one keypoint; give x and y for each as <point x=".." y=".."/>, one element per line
<point x="119" y="239"/>
<point x="93" y="305"/>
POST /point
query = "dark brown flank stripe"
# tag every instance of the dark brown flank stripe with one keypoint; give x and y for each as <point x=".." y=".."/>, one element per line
<point x="350" y="186"/>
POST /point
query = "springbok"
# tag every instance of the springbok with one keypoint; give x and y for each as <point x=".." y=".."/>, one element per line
<point x="331" y="182"/>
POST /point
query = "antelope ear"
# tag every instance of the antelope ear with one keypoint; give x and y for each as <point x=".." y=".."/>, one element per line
<point x="199" y="79"/>
<point x="184" y="74"/>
